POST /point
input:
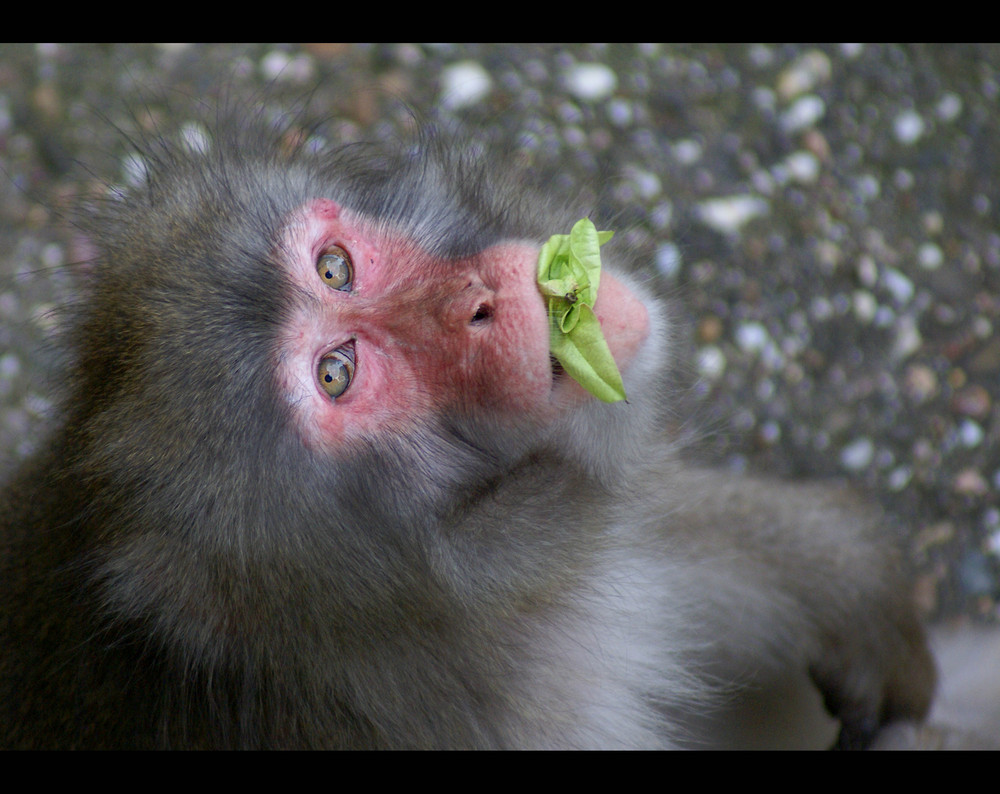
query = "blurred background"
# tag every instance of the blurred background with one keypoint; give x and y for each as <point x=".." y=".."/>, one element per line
<point x="823" y="219"/>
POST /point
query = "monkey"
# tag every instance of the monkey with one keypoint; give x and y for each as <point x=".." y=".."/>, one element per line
<point x="318" y="483"/>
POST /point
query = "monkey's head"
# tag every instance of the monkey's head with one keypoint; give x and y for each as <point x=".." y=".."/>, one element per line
<point x="415" y="304"/>
<point x="358" y="298"/>
<point x="284" y="350"/>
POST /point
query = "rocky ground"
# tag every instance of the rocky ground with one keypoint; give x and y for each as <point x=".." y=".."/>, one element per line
<point x="823" y="218"/>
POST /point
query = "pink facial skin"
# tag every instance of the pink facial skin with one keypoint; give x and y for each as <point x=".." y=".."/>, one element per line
<point x="429" y="335"/>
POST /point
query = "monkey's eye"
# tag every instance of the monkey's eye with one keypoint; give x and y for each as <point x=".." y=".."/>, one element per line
<point x="336" y="370"/>
<point x="334" y="267"/>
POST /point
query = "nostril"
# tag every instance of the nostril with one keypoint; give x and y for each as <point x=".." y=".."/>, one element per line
<point x="483" y="313"/>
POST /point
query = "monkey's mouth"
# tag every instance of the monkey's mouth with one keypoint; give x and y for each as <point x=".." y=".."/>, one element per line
<point x="558" y="373"/>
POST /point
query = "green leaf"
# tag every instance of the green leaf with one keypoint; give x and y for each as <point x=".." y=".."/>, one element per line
<point x="585" y="356"/>
<point x="569" y="274"/>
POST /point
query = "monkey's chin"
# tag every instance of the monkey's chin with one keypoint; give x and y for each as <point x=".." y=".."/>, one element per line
<point x="624" y="319"/>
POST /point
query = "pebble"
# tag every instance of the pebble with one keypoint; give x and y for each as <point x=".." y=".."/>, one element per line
<point x="196" y="137"/>
<point x="646" y="182"/>
<point x="970" y="482"/>
<point x="709" y="329"/>
<point x="134" y="170"/>
<point x="803" y="167"/>
<point x="668" y="260"/>
<point x="620" y="112"/>
<point x="920" y="382"/>
<point x="752" y="337"/>
<point x="908" y="339"/>
<point x="687" y="151"/>
<point x="728" y="215"/>
<point x="858" y="454"/>
<point x="804" y="74"/>
<point x="930" y="256"/>
<point x="463" y="84"/>
<point x="908" y="127"/>
<point x="590" y="81"/>
<point x="970" y="434"/>
<point x="973" y="400"/>
<point x="281" y="66"/>
<point x="899" y="478"/>
<point x="711" y="362"/>
<point x="949" y="107"/>
<point x="899" y="286"/>
<point x="865" y="306"/>
<point x="804" y="112"/>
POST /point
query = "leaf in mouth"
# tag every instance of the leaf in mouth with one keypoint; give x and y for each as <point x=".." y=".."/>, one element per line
<point x="569" y="273"/>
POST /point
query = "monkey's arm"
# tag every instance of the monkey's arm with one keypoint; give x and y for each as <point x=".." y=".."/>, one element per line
<point x="798" y="579"/>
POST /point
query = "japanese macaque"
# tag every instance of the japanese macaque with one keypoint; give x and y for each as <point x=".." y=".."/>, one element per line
<point x="320" y="484"/>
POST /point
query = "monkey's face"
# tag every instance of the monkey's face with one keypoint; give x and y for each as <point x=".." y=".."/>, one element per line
<point x="385" y="335"/>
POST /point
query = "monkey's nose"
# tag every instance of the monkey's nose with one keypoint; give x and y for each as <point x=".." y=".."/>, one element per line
<point x="483" y="313"/>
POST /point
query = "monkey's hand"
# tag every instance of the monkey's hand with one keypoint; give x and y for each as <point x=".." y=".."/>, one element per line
<point x="803" y="581"/>
<point x="875" y="676"/>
